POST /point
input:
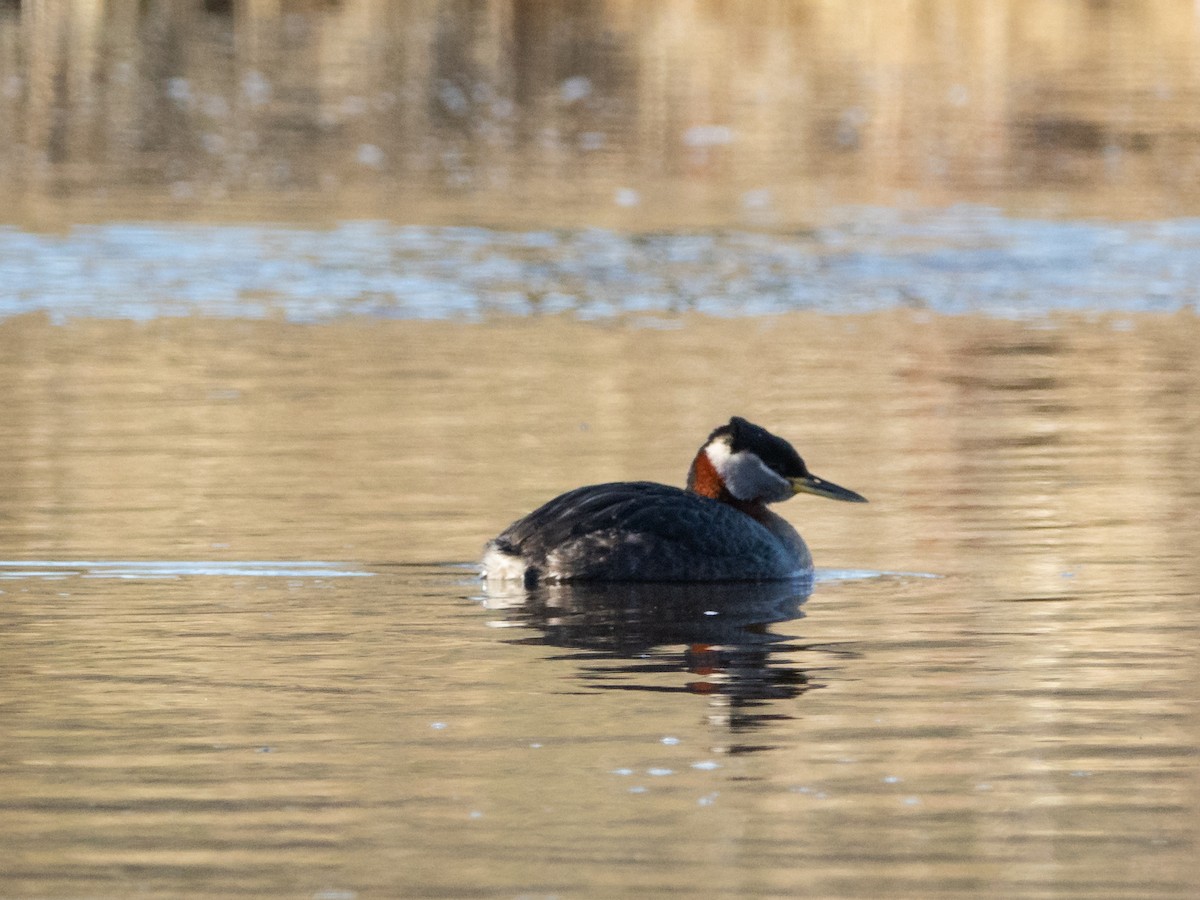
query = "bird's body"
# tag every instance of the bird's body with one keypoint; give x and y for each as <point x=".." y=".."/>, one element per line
<point x="719" y="529"/>
<point x="642" y="531"/>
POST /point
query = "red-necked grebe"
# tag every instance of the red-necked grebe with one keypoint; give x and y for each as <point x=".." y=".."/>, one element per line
<point x="719" y="529"/>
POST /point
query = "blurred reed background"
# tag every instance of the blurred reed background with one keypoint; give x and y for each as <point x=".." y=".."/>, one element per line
<point x="683" y="113"/>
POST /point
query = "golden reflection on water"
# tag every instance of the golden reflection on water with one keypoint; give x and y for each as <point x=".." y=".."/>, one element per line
<point x="619" y="114"/>
<point x="1023" y="724"/>
<point x="415" y="441"/>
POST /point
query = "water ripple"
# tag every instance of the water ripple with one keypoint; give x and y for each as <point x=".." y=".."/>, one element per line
<point x="155" y="569"/>
<point x="967" y="259"/>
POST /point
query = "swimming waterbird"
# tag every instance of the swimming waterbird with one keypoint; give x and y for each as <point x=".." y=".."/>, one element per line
<point x="719" y="529"/>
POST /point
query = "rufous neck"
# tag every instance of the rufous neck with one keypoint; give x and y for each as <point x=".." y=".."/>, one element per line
<point x="705" y="480"/>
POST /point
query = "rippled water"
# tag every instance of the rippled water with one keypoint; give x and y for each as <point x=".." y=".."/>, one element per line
<point x="645" y="117"/>
<point x="955" y="261"/>
<point x="301" y="303"/>
<point x="989" y="691"/>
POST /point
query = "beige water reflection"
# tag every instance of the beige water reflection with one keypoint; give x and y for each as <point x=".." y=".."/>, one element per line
<point x="272" y="438"/>
<point x="764" y="113"/>
<point x="1023" y="725"/>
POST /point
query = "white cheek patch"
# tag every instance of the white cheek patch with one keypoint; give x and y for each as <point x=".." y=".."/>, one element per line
<point x="719" y="454"/>
<point x="746" y="477"/>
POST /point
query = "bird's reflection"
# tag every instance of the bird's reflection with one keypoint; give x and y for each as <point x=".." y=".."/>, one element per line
<point x="710" y="639"/>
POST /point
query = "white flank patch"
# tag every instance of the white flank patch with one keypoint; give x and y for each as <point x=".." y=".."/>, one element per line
<point x="501" y="566"/>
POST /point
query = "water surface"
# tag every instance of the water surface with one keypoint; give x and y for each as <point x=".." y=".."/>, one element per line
<point x="253" y="722"/>
<point x="759" y="114"/>
<point x="961" y="260"/>
<point x="301" y="303"/>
